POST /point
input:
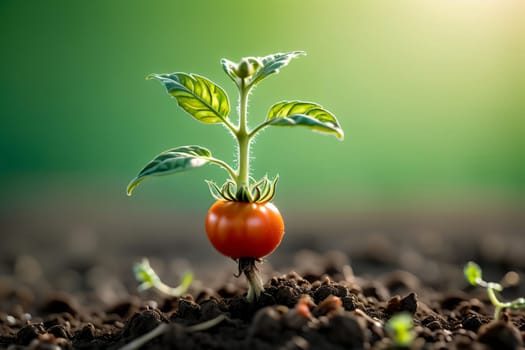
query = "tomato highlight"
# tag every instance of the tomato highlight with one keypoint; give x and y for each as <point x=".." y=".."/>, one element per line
<point x="243" y="229"/>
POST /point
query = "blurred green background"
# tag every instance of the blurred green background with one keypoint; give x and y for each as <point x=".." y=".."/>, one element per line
<point x="430" y="95"/>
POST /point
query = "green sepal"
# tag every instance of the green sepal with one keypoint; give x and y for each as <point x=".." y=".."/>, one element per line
<point x="264" y="190"/>
<point x="172" y="161"/>
<point x="225" y="192"/>
<point x="307" y="114"/>
<point x="214" y="189"/>
<point x="198" y="96"/>
<point x="258" y="192"/>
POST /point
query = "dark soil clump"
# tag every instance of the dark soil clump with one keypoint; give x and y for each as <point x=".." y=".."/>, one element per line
<point x="336" y="311"/>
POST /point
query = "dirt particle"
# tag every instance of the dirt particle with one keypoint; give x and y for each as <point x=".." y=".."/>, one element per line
<point x="500" y="335"/>
<point x="59" y="331"/>
<point x="60" y="303"/>
<point x="142" y="322"/>
<point x="432" y="322"/>
<point x="266" y="323"/>
<point x="26" y="334"/>
<point x="325" y="290"/>
<point x="47" y="341"/>
<point x="188" y="310"/>
<point x="209" y="309"/>
<point x="286" y="295"/>
<point x="466" y="306"/>
<point x="345" y="330"/>
<point x="397" y="304"/>
<point x="472" y="321"/>
<point x="87" y="333"/>
<point x="376" y="290"/>
<point x="297" y="343"/>
<point x="409" y="303"/>
<point x="330" y="306"/>
<point x="295" y="320"/>
<point x="393" y="305"/>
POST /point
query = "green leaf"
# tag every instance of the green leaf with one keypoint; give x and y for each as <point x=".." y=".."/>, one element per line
<point x="172" y="161"/>
<point x="311" y="115"/>
<point x="472" y="273"/>
<point x="231" y="70"/>
<point x="200" y="97"/>
<point x="272" y="64"/>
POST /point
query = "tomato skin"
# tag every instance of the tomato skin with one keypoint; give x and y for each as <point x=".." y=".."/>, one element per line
<point x="244" y="230"/>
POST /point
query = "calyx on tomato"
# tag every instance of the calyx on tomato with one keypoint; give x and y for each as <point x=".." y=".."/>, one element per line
<point x="261" y="191"/>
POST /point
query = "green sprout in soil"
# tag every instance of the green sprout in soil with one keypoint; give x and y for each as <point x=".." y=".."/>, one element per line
<point x="242" y="224"/>
<point x="401" y="329"/>
<point x="473" y="274"/>
<point x="148" y="278"/>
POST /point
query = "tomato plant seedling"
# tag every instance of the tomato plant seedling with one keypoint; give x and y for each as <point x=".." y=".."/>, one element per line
<point x="242" y="224"/>
<point x="473" y="274"/>
<point x="148" y="278"/>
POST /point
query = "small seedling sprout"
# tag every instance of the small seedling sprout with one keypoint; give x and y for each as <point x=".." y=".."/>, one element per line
<point x="148" y="278"/>
<point x="474" y="276"/>
<point x="401" y="329"/>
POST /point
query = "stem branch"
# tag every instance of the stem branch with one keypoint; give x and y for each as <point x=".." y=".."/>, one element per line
<point x="229" y="126"/>
<point x="226" y="167"/>
<point x="258" y="128"/>
<point x="498" y="305"/>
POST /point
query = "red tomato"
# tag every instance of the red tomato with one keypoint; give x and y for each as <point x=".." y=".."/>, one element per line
<point x="244" y="230"/>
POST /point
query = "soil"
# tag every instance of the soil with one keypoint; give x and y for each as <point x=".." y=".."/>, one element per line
<point x="327" y="299"/>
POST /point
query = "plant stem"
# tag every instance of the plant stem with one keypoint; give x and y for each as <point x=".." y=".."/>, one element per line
<point x="498" y="305"/>
<point x="170" y="291"/>
<point x="243" y="140"/>
<point x="255" y="285"/>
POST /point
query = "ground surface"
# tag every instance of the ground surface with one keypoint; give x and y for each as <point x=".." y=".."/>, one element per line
<point x="332" y="291"/>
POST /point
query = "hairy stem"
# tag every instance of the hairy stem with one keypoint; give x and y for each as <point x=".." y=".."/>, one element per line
<point x="243" y="140"/>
